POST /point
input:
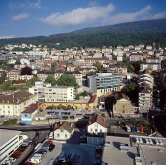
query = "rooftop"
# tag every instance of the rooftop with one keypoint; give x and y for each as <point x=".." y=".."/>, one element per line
<point x="30" y="110"/>
<point x="113" y="155"/>
<point x="6" y="135"/>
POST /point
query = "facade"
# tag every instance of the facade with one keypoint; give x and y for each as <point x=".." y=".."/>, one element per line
<point x="105" y="83"/>
<point x="26" y="77"/>
<point x="92" y="61"/>
<point x="145" y="93"/>
<point x="28" y="114"/>
<point x="64" y="131"/>
<point x="97" y="124"/>
<point x="136" y="57"/>
<point x="117" y="70"/>
<point x="14" y="104"/>
<point x="10" y="140"/>
<point x="59" y="94"/>
<point x="13" y="75"/>
<point x="123" y="105"/>
<point x="39" y="89"/>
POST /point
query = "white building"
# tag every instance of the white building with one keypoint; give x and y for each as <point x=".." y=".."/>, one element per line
<point x="64" y="131"/>
<point x="10" y="140"/>
<point x="14" y="104"/>
<point x="26" y="77"/>
<point x="97" y="124"/>
<point x="59" y="94"/>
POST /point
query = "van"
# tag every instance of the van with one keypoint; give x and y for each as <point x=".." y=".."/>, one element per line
<point x="36" y="159"/>
<point x="51" y="135"/>
<point x="38" y="146"/>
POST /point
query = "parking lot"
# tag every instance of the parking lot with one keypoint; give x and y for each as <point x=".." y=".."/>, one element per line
<point x="87" y="153"/>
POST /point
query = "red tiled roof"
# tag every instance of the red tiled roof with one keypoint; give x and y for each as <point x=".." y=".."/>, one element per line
<point x="93" y="98"/>
<point x="98" y="119"/>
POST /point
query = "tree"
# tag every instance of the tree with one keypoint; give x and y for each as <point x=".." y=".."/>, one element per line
<point x="98" y="65"/>
<point x="85" y="93"/>
<point x="53" y="65"/>
<point x="67" y="80"/>
<point x="32" y="81"/>
<point x="91" y="73"/>
<point x="26" y="71"/>
<point x="5" y="86"/>
<point x="51" y="79"/>
<point x="76" y="68"/>
<point x="3" y="76"/>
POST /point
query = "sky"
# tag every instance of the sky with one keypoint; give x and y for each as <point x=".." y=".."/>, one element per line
<point x="27" y="18"/>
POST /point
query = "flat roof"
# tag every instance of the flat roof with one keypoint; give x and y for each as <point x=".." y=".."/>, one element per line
<point x="151" y="154"/>
<point x="30" y="110"/>
<point x="113" y="156"/>
<point x="6" y="135"/>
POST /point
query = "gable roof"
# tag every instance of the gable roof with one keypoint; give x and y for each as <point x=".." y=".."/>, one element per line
<point x="98" y="119"/>
<point x="16" y="97"/>
<point x="65" y="126"/>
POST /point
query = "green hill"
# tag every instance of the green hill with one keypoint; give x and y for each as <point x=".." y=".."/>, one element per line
<point x="146" y="32"/>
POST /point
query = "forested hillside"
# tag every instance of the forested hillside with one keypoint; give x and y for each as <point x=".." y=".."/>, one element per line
<point x="146" y="32"/>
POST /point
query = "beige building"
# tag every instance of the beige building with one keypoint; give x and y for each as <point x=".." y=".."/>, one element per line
<point x="14" y="104"/>
<point x="59" y="94"/>
<point x="13" y="75"/>
<point x="123" y="105"/>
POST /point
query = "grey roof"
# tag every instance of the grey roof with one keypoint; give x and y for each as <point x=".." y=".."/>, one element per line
<point x="6" y="135"/>
<point x="30" y="110"/>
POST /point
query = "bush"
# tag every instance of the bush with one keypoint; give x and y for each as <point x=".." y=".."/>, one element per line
<point x="10" y="122"/>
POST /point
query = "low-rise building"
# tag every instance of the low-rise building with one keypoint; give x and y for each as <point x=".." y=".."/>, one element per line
<point x="28" y="114"/>
<point x="123" y="105"/>
<point x="13" y="75"/>
<point x="136" y="57"/>
<point x="14" y="104"/>
<point x="97" y="124"/>
<point x="64" y="131"/>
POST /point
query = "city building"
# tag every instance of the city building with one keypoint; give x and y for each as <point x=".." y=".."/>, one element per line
<point x="97" y="124"/>
<point x="136" y="57"/>
<point x="10" y="140"/>
<point x="105" y="83"/>
<point x="14" y="104"/>
<point x="145" y="93"/>
<point x="123" y="105"/>
<point x="93" y="60"/>
<point x="28" y="114"/>
<point x="59" y="94"/>
<point x="13" y="75"/>
<point x="64" y="131"/>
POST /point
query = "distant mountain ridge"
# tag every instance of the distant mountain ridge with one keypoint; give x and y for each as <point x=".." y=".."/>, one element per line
<point x="146" y="26"/>
<point x="146" y="32"/>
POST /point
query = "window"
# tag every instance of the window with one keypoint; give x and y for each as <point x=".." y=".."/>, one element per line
<point x="95" y="130"/>
<point x="58" y="135"/>
<point x="100" y="130"/>
<point x="65" y="135"/>
<point x="91" y="129"/>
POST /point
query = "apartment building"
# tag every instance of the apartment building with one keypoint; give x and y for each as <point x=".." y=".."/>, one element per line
<point x="39" y="89"/>
<point x="151" y="63"/>
<point x="92" y="61"/>
<point x="13" y="75"/>
<point x="145" y="93"/>
<point x="14" y="104"/>
<point x="59" y="94"/>
<point x="136" y="57"/>
<point x="105" y="83"/>
<point x="115" y="70"/>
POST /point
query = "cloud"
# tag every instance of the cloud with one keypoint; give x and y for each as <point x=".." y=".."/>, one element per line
<point x="25" y="5"/>
<point x="7" y="37"/>
<point x="20" y="16"/>
<point x="92" y="3"/>
<point x="79" y="16"/>
<point x="128" y="17"/>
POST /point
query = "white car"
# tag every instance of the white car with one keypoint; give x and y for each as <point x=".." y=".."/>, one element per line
<point x="141" y="140"/>
<point x="161" y="143"/>
<point x="128" y="129"/>
<point x="157" y="142"/>
<point x="147" y="141"/>
<point x="150" y="141"/>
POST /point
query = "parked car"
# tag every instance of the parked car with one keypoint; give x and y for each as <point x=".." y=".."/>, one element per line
<point x="12" y="159"/>
<point x="30" y="163"/>
<point x="49" y="141"/>
<point x="98" y="156"/>
<point x="137" y="128"/>
<point x="51" y="147"/>
<point x="74" y="158"/>
<point x="42" y="151"/>
<point x="161" y="143"/>
<point x="128" y="129"/>
<point x="45" y="146"/>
